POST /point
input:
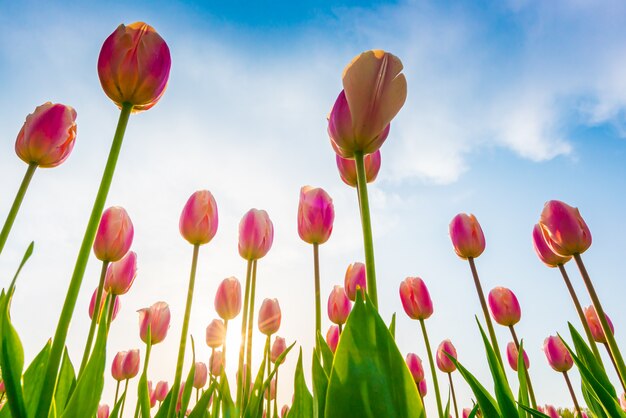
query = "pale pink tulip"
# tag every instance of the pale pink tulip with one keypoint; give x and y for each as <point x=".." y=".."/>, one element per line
<point x="215" y="333"/>
<point x="199" y="220"/>
<point x="117" y="367"/>
<point x="567" y="230"/>
<point x="339" y="306"/>
<point x="278" y="348"/>
<point x="269" y="316"/>
<point x="544" y="252"/>
<point x="103" y="411"/>
<point x="228" y="299"/>
<point x="284" y="411"/>
<point x="272" y="391"/>
<point x="160" y="392"/>
<point x="443" y="361"/>
<point x="130" y="366"/>
<point x="114" y="236"/>
<point x="557" y="354"/>
<point x="201" y="375"/>
<point x="315" y="215"/>
<point x="121" y="274"/>
<point x="217" y="362"/>
<point x="256" y="234"/>
<point x="415" y="298"/>
<point x="504" y="306"/>
<point x="355" y="278"/>
<point x="467" y="236"/>
<point x="157" y="318"/>
<point x="347" y="168"/>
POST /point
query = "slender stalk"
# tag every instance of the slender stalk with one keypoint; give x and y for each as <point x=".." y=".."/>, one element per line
<point x="224" y="345"/>
<point x="210" y="367"/>
<point x="269" y="370"/>
<point x="571" y="392"/>
<point x="63" y="326"/>
<point x="366" y="223"/>
<point x="608" y="350"/>
<point x="456" y="408"/>
<point x="610" y="339"/>
<point x="8" y="224"/>
<point x="242" y="346"/>
<point x="124" y="400"/>
<point x="117" y="391"/>
<point x="276" y="394"/>
<point x="183" y="334"/>
<point x="531" y="392"/>
<point x="111" y="312"/>
<point x="95" y="318"/>
<point x="249" y="338"/>
<point x="422" y="400"/>
<point x="483" y="304"/>
<point x="432" y="367"/>
<point x="340" y="326"/>
<point x="318" y="305"/>
<point x="197" y="394"/>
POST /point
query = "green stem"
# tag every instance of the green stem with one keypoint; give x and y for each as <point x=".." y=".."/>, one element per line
<point x="366" y="224"/>
<point x="117" y="392"/>
<point x="608" y="350"/>
<point x="318" y="305"/>
<point x="571" y="392"/>
<point x="433" y="371"/>
<point x="63" y="326"/>
<point x="95" y="318"/>
<point x="124" y="400"/>
<point x="183" y="334"/>
<point x="8" y="224"/>
<point x="456" y="408"/>
<point x="242" y="346"/>
<point x="144" y="376"/>
<point x="276" y="394"/>
<point x="269" y="370"/>
<point x="531" y="392"/>
<point x="249" y="337"/>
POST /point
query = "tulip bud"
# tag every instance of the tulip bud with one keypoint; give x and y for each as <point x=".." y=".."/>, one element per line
<point x="121" y="274"/>
<point x="423" y="389"/>
<point x="315" y="215"/>
<point x="512" y="354"/>
<point x="347" y="168"/>
<point x="504" y="306"/>
<point x="467" y="412"/>
<point x="217" y="362"/>
<point x="339" y="306"/>
<point x="134" y="66"/>
<point x="92" y="303"/>
<point x="467" y="236"/>
<point x="550" y="411"/>
<point x="228" y="299"/>
<point x="567" y="230"/>
<point x="151" y="394"/>
<point x="161" y="390"/>
<point x="415" y="367"/>
<point x="272" y="390"/>
<point x="284" y="411"/>
<point x="47" y="136"/>
<point x="256" y="234"/>
<point x="278" y="348"/>
<point x="201" y="375"/>
<point x="443" y="361"/>
<point x="103" y="411"/>
<point x="117" y="367"/>
<point x="332" y="337"/>
<point x="157" y="318"/>
<point x="130" y="366"/>
<point x="544" y="252"/>
<point x="355" y="277"/>
<point x="415" y="298"/>
<point x="215" y="333"/>
<point x="198" y="221"/>
<point x="269" y="317"/>
<point x="556" y="353"/>
<point x="114" y="236"/>
<point x="595" y="326"/>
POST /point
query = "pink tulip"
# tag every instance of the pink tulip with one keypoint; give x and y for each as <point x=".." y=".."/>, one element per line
<point x="2" y="388"/>
<point x="556" y="353"/>
<point x="269" y="317"/>
<point x="347" y="168"/>
<point x="47" y="136"/>
<point x="114" y="236"/>
<point x="217" y="362"/>
<point x="315" y="215"/>
<point x="151" y="394"/>
<point x="544" y="252"/>
<point x="594" y="324"/>
<point x="121" y="274"/>
<point x="550" y="411"/>
<point x="415" y="298"/>
<point x="157" y="318"/>
<point x="443" y="361"/>
<point x="339" y="306"/>
<point x="215" y="333"/>
<point x="161" y="390"/>
<point x="355" y="277"/>
<point x="256" y="234"/>
<point x="199" y="220"/>
<point x="622" y="402"/>
<point x="332" y="337"/>
<point x="467" y="412"/>
<point x="103" y="411"/>
<point x="566" y="229"/>
<point x="134" y="66"/>
<point x="278" y="348"/>
<point x="92" y="303"/>
<point x="284" y="411"/>
<point x="201" y="375"/>
<point x="228" y="299"/>
<point x="423" y="389"/>
<point x="415" y="367"/>
<point x="117" y="367"/>
<point x="504" y="306"/>
<point x="467" y="236"/>
<point x="180" y="396"/>
<point x="130" y="366"/>
<point x="512" y="354"/>
<point x="272" y="390"/>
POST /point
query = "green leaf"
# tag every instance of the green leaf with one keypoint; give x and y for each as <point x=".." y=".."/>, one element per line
<point x="33" y="378"/>
<point x="201" y="407"/>
<point x="369" y="376"/>
<point x="486" y="403"/>
<point x="326" y="353"/>
<point x="11" y="362"/>
<point x="523" y="399"/>
<point x="320" y="387"/>
<point x="533" y="412"/>
<point x="163" y="410"/>
<point x="587" y="357"/>
<point x="228" y="406"/>
<point x="189" y="382"/>
<point x="392" y="326"/>
<point x="303" y="401"/>
<point x="66" y="381"/>
<point x="116" y="410"/>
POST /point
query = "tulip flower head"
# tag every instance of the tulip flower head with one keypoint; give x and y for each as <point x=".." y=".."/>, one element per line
<point x="114" y="236"/>
<point x="414" y="364"/>
<point x="504" y="306"/>
<point x="151" y="394"/>
<point x="130" y="366"/>
<point x="157" y="319"/>
<point x="121" y="274"/>
<point x="271" y="393"/>
<point x="467" y="236"/>
<point x="339" y="306"/>
<point x="512" y="354"/>
<point x="134" y="66"/>
<point x="423" y="389"/>
<point x="269" y="316"/>
<point x="315" y="215"/>
<point x="278" y="348"/>
<point x="284" y="411"/>
<point x="256" y="234"/>
<point x="557" y="354"/>
<point x="217" y="362"/>
<point x="356" y="277"/>
<point x="228" y="298"/>
<point x="215" y="333"/>
<point x="443" y="361"/>
<point x="347" y="168"/>
<point x="415" y="298"/>
<point x="567" y="230"/>
<point x="544" y="250"/>
<point x="200" y="376"/>
<point x="47" y="136"/>
<point x="332" y="337"/>
<point x="117" y="367"/>
<point x="199" y="220"/>
<point x="103" y="411"/>
<point x="92" y="303"/>
<point x="594" y="324"/>
<point x="549" y="410"/>
<point x="161" y="390"/>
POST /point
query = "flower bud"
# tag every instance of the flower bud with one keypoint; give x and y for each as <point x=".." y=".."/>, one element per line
<point x="423" y="389"/>
<point x="315" y="215"/>
<point x="544" y="252"/>
<point x="595" y="326"/>
<point x="157" y="318"/>
<point x="151" y="394"/>
<point x="278" y="348"/>
<point x="228" y="299"/>
<point x="415" y="367"/>
<point x="415" y="298"/>
<point x="116" y="306"/>
<point x="339" y="306"/>
<point x="256" y="234"/>
<point x="103" y="411"/>
<point x="117" y="367"/>
<point x="284" y="411"/>
<point x="130" y="366"/>
<point x="161" y="390"/>
<point x="217" y="362"/>
<point x="47" y="136"/>
<point x="134" y="66"/>
<point x="272" y="390"/>
<point x="549" y="410"/>
<point x="557" y="354"/>
<point x="467" y="236"/>
<point x="567" y="230"/>
<point x="269" y="317"/>
<point x="114" y="236"/>
<point x="332" y="337"/>
<point x="512" y="354"/>
<point x="504" y="306"/>
<point x="201" y="375"/>
<point x="355" y="277"/>
<point x="347" y="168"/>
<point x="443" y="361"/>
<point x="199" y="220"/>
<point x="121" y="274"/>
<point x="215" y="333"/>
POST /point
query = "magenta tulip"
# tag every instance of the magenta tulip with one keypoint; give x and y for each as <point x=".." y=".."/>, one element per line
<point x="467" y="236"/>
<point x="415" y="298"/>
<point x="594" y="324"/>
<point x="504" y="306"/>
<point x="114" y="236"/>
<point x="550" y="411"/>
<point x="557" y="354"/>
<point x="199" y="220"/>
<point x="423" y="389"/>
<point x="269" y="316"/>
<point x="347" y="168"/>
<point x="414" y="364"/>
<point x="215" y="333"/>
<point x="315" y="215"/>
<point x="92" y="303"/>
<point x="544" y="250"/>
<point x="332" y="337"/>
<point x="228" y="299"/>
<point x="443" y="361"/>
<point x="512" y="354"/>
<point x="256" y="234"/>
<point x="339" y="306"/>
<point x="157" y="319"/>
<point x="355" y="278"/>
<point x="121" y="274"/>
<point x="568" y="232"/>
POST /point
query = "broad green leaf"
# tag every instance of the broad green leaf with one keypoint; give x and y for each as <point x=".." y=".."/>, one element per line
<point x="523" y="399"/>
<point x="228" y="406"/>
<point x="392" y="326"/>
<point x="162" y="412"/>
<point x="302" y="406"/>
<point x="11" y="362"/>
<point x="66" y="381"/>
<point x="486" y="403"/>
<point x="320" y="387"/>
<point x="586" y="356"/>
<point x="326" y="352"/>
<point x="200" y="410"/>
<point x="533" y="412"/>
<point x="33" y="378"/>
<point x="189" y="382"/>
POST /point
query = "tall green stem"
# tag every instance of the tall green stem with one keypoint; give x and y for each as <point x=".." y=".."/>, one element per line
<point x="117" y="392"/>
<point x="144" y="378"/>
<point x="433" y="371"/>
<point x="63" y="326"/>
<point x="571" y="392"/>
<point x="531" y="392"/>
<point x="183" y="334"/>
<point x="269" y="370"/>
<point x="456" y="408"/>
<point x="95" y="318"/>
<point x="276" y="394"/>
<point x="318" y="305"/>
<point x="242" y="346"/>
<point x="249" y="338"/>
<point x="124" y="400"/>
<point x="366" y="223"/>
<point x="8" y="224"/>
<point x="608" y="350"/>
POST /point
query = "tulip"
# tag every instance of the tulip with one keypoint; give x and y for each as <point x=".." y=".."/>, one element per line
<point x="117" y="366"/>
<point x="550" y="411"/>
<point x="103" y="411"/>
<point x="284" y="411"/>
<point x="151" y="394"/>
<point x="134" y="66"/>
<point x="415" y="298"/>
<point x="315" y="215"/>
<point x="228" y="299"/>
<point x="269" y="317"/>
<point x="467" y="412"/>
<point x="347" y="168"/>
<point x="557" y="354"/>
<point x="130" y="366"/>
<point x="443" y="361"/>
<point x="161" y="390"/>
<point x="272" y="391"/>
<point x="121" y="274"/>
<point x="114" y="236"/>
<point x="116" y="306"/>
<point x="567" y="230"/>
<point x="217" y="362"/>
<point x="201" y="375"/>
<point x="256" y="234"/>
<point x="332" y="337"/>
<point x="278" y="348"/>
<point x="512" y="354"/>
<point x="544" y="250"/>
<point x="199" y="220"/>
<point x="339" y="306"/>
<point x="594" y="324"/>
<point x="423" y="389"/>
<point x="157" y="319"/>
<point x="504" y="306"/>
<point x="622" y="402"/>
<point x="467" y="236"/>
<point x="355" y="278"/>
<point x="215" y="333"/>
<point x="414" y="364"/>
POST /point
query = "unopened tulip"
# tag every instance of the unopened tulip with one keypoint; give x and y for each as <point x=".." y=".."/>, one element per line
<point x="228" y="299"/>
<point x="151" y="394"/>
<point x="217" y="362"/>
<point x="467" y="412"/>
<point x="443" y="361"/>
<point x="504" y="306"/>
<point x="355" y="278"/>
<point x="215" y="333"/>
<point x="467" y="236"/>
<point x="134" y="66"/>
<point x="284" y="411"/>
<point x="256" y="234"/>
<point x="347" y="168"/>
<point x="512" y="354"/>
<point x="272" y="391"/>
<point x="566" y="229"/>
<point x="199" y="220"/>
<point x="278" y="348"/>
<point x="549" y="410"/>
<point x="415" y="298"/>
<point x="103" y="411"/>
<point x="269" y="317"/>
<point x="315" y="215"/>
<point x="201" y="375"/>
<point x="421" y="386"/>
<point x="47" y="136"/>
<point x="130" y="366"/>
<point x="157" y="318"/>
<point x="332" y="337"/>
<point x="544" y="252"/>
<point x="114" y="236"/>
<point x="557" y="354"/>
<point x="339" y="306"/>
<point x="161" y="390"/>
<point x="594" y="324"/>
<point x="117" y="367"/>
<point x="121" y="274"/>
<point x="415" y="367"/>
<point x="92" y="303"/>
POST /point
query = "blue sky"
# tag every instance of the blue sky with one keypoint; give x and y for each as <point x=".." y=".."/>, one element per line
<point x="509" y="104"/>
